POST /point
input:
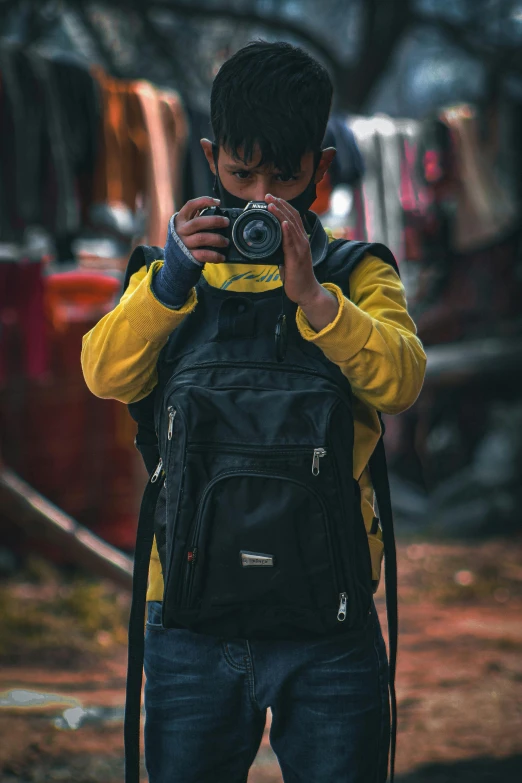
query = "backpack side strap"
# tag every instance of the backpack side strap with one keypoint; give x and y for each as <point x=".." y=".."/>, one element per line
<point x="344" y="256"/>
<point x="143" y="255"/>
<point x="143" y="411"/>
<point x="136" y="643"/>
<point x="379" y="476"/>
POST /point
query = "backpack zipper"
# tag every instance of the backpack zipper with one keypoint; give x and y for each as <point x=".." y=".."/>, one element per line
<point x="343" y="601"/>
<point x="156" y="473"/>
<point x="172" y="415"/>
<point x="339" y="392"/>
<point x="317" y="453"/>
<point x="185" y="586"/>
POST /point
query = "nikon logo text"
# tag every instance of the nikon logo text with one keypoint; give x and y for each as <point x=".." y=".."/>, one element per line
<point x="256" y="559"/>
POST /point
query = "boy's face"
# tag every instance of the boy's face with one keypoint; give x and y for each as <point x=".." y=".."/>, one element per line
<point x="252" y="182"/>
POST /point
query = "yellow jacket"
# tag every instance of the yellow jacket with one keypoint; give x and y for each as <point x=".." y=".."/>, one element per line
<point x="372" y="339"/>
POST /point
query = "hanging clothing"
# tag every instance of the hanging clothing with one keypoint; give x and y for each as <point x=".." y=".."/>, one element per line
<point x="175" y="126"/>
<point x="160" y="203"/>
<point x="23" y="332"/>
<point x="22" y="151"/>
<point x="485" y="210"/>
<point x="121" y="173"/>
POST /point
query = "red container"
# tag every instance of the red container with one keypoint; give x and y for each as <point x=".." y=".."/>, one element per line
<point x="74" y="448"/>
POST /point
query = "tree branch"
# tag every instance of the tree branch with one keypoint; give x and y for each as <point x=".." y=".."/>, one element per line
<point x="494" y="57"/>
<point x="385" y="23"/>
<point x="245" y="16"/>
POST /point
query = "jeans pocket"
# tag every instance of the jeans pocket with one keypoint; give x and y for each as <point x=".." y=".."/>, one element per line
<point x="154" y="615"/>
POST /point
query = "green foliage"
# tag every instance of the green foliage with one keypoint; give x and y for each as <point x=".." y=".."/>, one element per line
<point x="48" y="617"/>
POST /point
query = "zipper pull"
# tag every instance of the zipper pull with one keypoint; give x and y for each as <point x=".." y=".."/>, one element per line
<point x="172" y="415"/>
<point x="191" y="555"/>
<point x="156" y="473"/>
<point x="318" y="454"/>
<point x="341" y="614"/>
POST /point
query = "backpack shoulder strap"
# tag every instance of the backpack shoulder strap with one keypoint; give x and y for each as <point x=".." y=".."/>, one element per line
<point x="381" y="486"/>
<point x="344" y="256"/>
<point x="143" y="411"/>
<point x="143" y="255"/>
<point x="147" y="444"/>
<point x="136" y="640"/>
<point x="341" y="260"/>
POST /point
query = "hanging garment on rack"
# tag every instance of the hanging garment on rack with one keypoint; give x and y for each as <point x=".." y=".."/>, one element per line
<point x="49" y="120"/>
<point x="81" y="116"/>
<point x="160" y="204"/>
<point x="22" y="151"/>
<point x="66" y="218"/>
<point x="175" y="127"/>
<point x="485" y="209"/>
<point x="120" y="177"/>
<point x="348" y="165"/>
<point x="23" y="333"/>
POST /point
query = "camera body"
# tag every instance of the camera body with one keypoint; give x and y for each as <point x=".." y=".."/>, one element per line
<point x="254" y="234"/>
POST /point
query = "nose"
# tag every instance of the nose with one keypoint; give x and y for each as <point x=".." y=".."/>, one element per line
<point x="262" y="188"/>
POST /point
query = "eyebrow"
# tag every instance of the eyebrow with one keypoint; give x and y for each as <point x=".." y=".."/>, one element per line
<point x="238" y="165"/>
<point x="243" y="167"/>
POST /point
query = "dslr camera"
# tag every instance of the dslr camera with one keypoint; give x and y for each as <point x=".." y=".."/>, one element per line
<point x="254" y="234"/>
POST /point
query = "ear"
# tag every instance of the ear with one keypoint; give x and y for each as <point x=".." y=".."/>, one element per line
<point x="325" y="162"/>
<point x="207" y="149"/>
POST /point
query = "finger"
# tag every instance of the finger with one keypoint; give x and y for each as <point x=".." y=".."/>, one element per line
<point x="291" y="243"/>
<point x="204" y="239"/>
<point x="277" y="210"/>
<point x="287" y="209"/>
<point x="274" y="209"/>
<point x="293" y="216"/>
<point x="288" y="234"/>
<point x="208" y="257"/>
<point x="203" y="224"/>
<point x="189" y="209"/>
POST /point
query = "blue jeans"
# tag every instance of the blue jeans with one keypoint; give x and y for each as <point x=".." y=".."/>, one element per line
<point x="206" y="701"/>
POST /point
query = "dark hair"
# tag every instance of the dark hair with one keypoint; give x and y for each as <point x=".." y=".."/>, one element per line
<point x="274" y="95"/>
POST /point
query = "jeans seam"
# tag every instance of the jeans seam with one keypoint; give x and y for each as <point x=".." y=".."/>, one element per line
<point x="250" y="673"/>
<point x="231" y="662"/>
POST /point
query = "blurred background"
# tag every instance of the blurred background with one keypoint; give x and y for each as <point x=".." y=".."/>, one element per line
<point x="102" y="106"/>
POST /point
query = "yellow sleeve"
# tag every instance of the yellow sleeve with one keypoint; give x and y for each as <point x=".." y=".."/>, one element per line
<point x="373" y="339"/>
<point x="119" y="354"/>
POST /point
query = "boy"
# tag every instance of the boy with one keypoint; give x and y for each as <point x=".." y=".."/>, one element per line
<point x="207" y="694"/>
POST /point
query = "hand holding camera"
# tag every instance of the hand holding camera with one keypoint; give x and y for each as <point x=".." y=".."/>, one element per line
<point x="253" y="234"/>
<point x="203" y="234"/>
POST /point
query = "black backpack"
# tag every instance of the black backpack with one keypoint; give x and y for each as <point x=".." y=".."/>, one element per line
<point x="251" y="495"/>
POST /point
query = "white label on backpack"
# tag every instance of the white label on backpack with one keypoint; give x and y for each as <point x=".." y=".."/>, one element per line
<point x="256" y="559"/>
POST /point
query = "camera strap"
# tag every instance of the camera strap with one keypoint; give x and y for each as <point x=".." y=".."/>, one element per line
<point x="281" y="330"/>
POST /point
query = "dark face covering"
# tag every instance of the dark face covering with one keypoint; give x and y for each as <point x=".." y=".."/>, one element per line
<point x="301" y="203"/>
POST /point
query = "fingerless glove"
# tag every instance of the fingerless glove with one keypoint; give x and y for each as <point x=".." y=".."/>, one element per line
<point x="180" y="272"/>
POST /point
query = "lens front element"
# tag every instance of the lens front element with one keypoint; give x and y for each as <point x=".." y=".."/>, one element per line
<point x="257" y="234"/>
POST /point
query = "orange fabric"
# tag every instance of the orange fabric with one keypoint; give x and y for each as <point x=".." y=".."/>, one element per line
<point x="160" y="204"/>
<point x="176" y="130"/>
<point x="120" y="174"/>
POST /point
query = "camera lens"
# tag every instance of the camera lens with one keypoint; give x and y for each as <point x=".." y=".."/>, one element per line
<point x="257" y="234"/>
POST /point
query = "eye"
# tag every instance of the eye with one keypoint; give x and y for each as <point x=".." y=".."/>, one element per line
<point x="242" y="174"/>
<point x="283" y="178"/>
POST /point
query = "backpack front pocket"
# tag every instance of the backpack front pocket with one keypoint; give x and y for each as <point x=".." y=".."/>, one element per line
<point x="262" y="541"/>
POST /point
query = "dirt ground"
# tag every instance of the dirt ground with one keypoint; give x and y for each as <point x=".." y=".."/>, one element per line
<point x="459" y="681"/>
